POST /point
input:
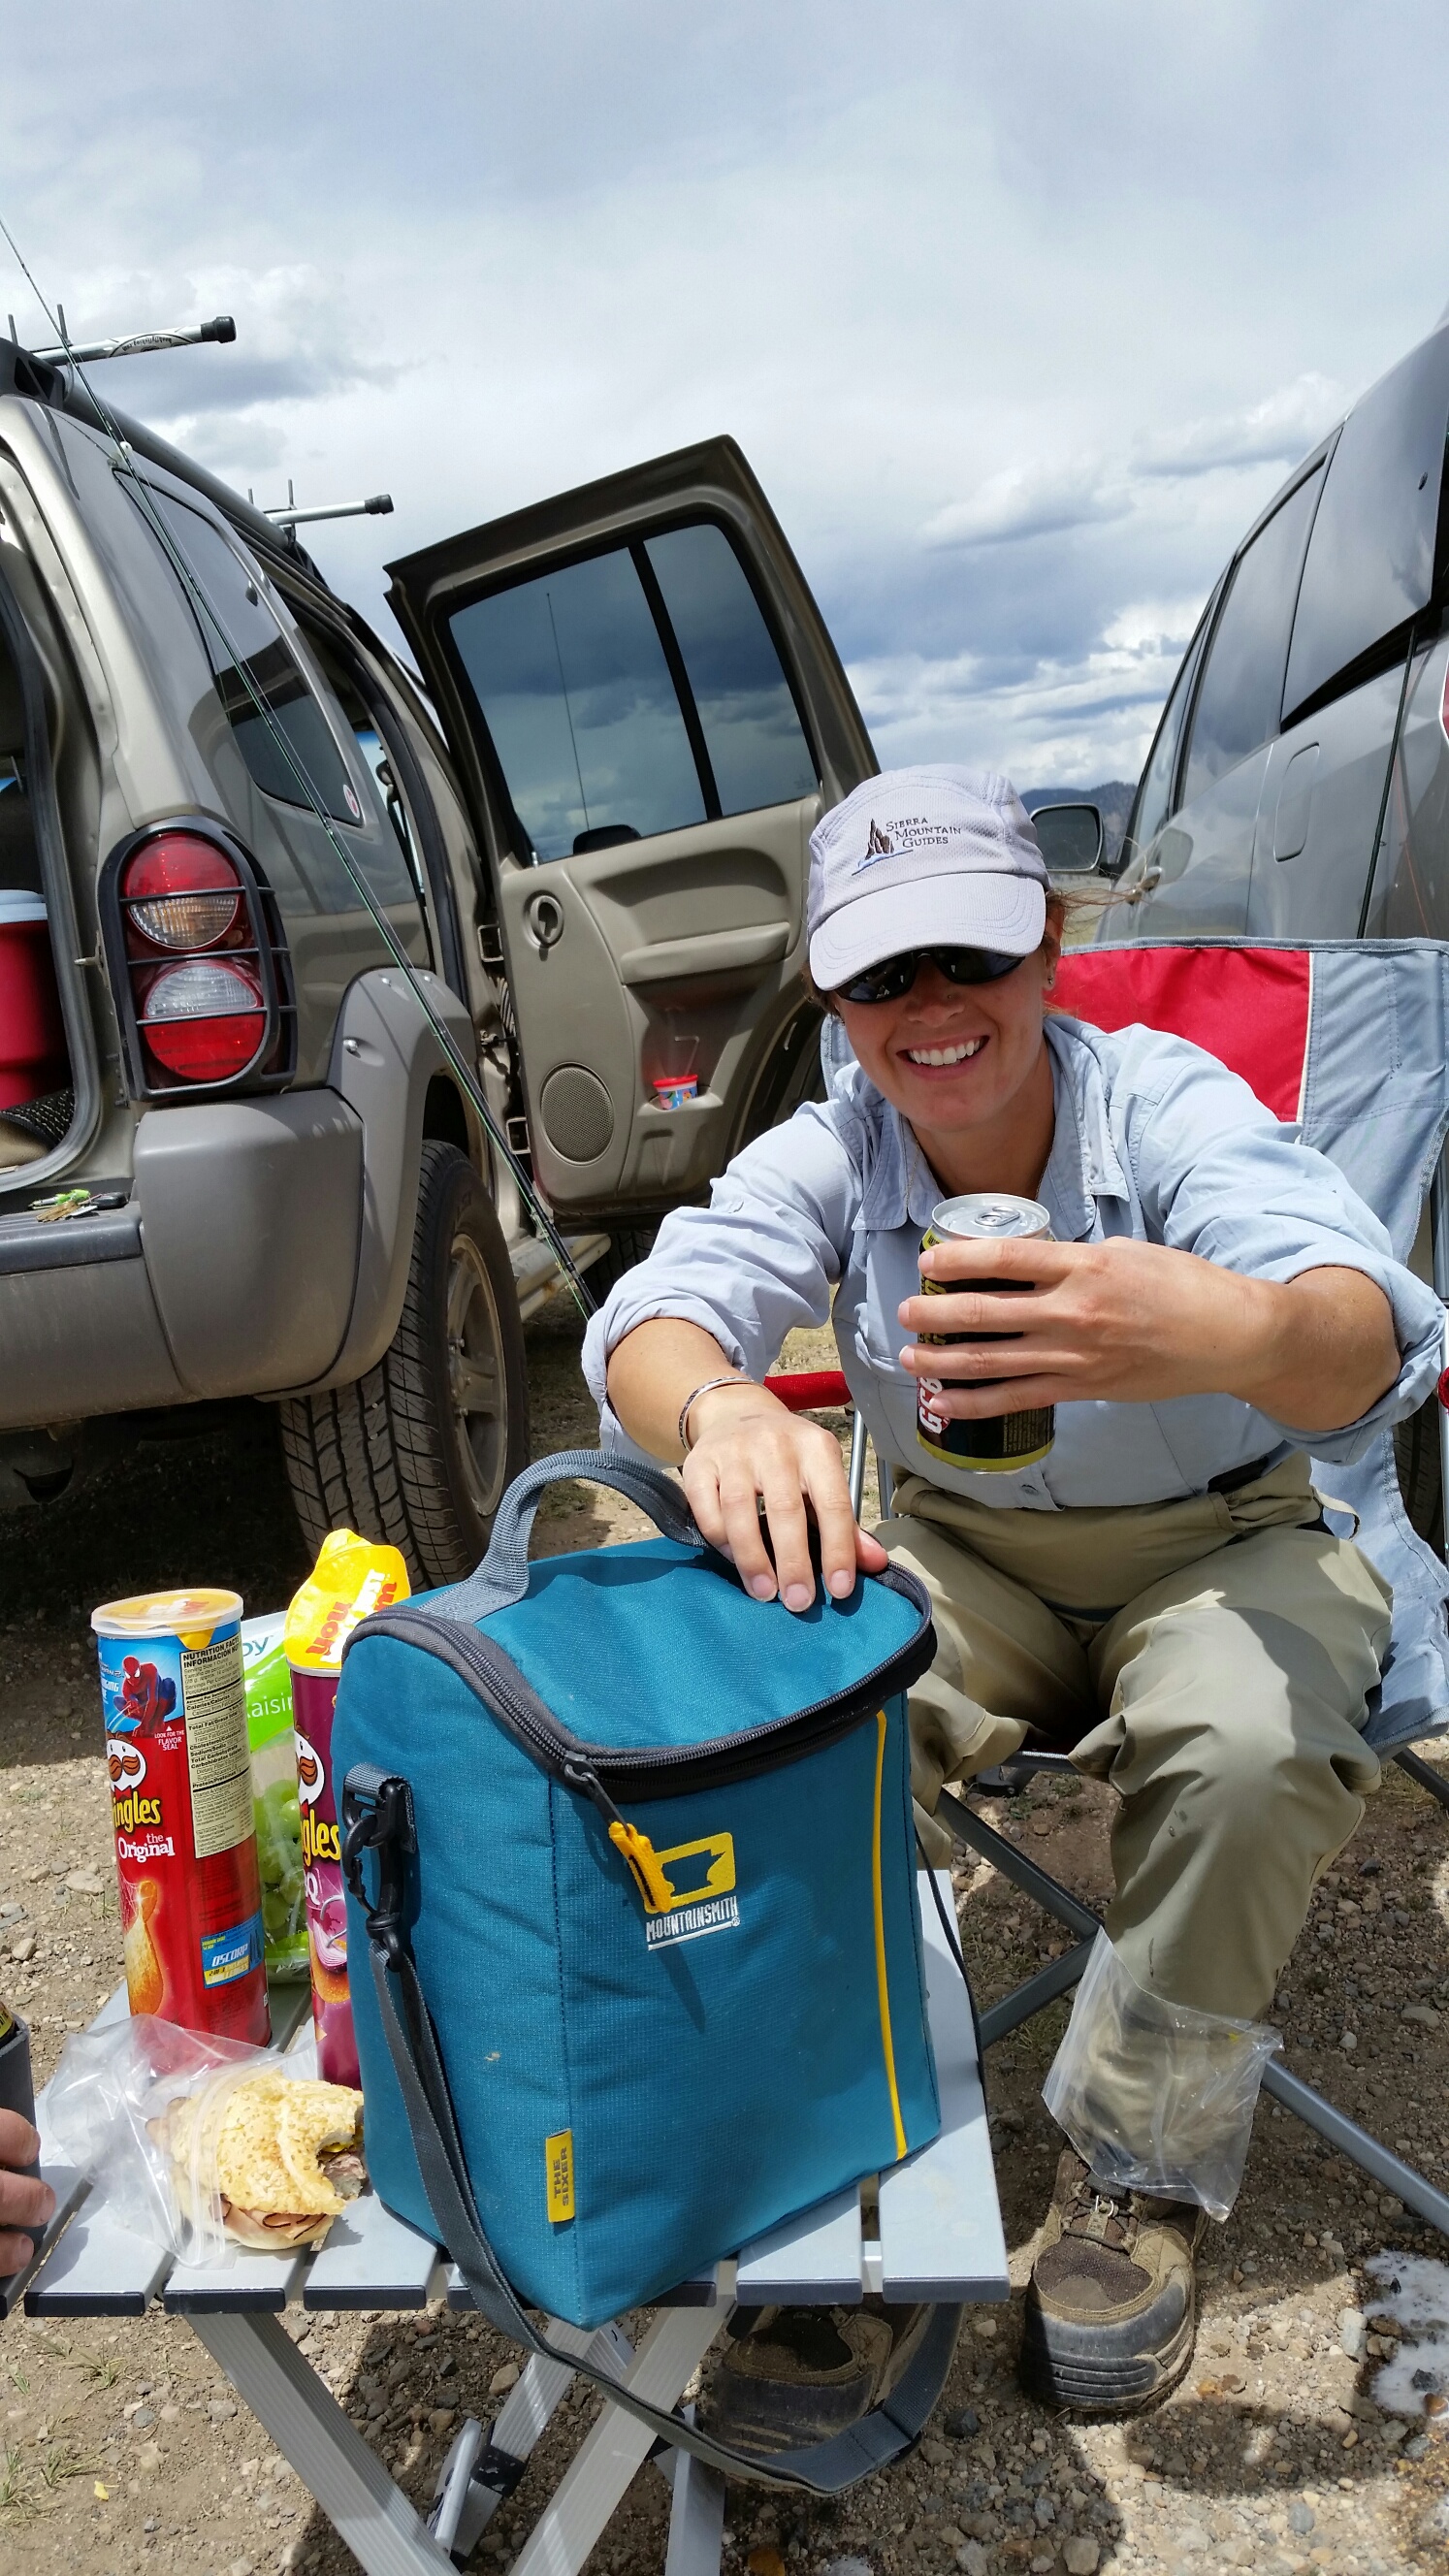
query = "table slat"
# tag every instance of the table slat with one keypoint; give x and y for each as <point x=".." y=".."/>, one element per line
<point x="98" y="2269"/>
<point x="253" y="2281"/>
<point x="371" y="2260"/>
<point x="809" y="2261"/>
<point x="940" y="2222"/>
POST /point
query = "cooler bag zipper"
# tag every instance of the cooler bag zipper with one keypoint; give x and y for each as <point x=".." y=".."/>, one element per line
<point x="637" y="1770"/>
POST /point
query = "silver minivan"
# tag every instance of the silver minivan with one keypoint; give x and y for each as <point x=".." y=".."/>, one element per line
<point x="1298" y="783"/>
<point x="235" y="1161"/>
<point x="1299" y="779"/>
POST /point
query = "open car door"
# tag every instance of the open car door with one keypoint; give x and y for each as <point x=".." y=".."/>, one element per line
<point x="649" y="717"/>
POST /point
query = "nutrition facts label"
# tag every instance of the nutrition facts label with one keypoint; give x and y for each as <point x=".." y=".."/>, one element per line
<point x="216" y="1746"/>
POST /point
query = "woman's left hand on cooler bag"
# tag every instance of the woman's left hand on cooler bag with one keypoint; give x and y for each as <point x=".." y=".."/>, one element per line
<point x="1138" y="1323"/>
<point x="746" y="1449"/>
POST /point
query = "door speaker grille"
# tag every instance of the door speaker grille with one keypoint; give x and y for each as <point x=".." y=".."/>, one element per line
<point x="578" y="1115"/>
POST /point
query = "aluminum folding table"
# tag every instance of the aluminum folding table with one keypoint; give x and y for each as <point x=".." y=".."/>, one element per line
<point x="934" y="2233"/>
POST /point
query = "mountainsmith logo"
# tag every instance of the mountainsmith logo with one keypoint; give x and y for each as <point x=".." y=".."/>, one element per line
<point x="716" y="1914"/>
<point x="710" y="1907"/>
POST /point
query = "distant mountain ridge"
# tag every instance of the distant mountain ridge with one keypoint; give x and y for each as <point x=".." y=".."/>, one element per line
<point x="1113" y="797"/>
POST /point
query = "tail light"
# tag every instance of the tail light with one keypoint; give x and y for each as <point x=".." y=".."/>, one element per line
<point x="198" y="961"/>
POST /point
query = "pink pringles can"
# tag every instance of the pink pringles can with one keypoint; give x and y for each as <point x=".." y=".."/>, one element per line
<point x="314" y="1697"/>
<point x="352" y="1577"/>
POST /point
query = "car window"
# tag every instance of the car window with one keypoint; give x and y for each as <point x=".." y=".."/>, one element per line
<point x="1371" y="561"/>
<point x="753" y="737"/>
<point x="1240" y="701"/>
<point x="575" y="688"/>
<point x="1154" y="796"/>
<point x="255" y="646"/>
<point x="635" y="692"/>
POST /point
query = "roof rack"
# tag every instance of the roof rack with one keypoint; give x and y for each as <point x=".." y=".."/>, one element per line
<point x="129" y="344"/>
<point x="378" y="507"/>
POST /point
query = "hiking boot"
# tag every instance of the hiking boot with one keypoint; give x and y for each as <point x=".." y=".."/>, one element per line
<point x="793" y="2376"/>
<point x="1111" y="2306"/>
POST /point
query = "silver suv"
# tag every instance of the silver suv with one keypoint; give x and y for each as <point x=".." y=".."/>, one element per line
<point x="235" y="1161"/>
<point x="1299" y="779"/>
<point x="1298" y="784"/>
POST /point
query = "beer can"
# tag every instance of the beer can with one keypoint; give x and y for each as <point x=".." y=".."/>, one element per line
<point x="174" y="1707"/>
<point x="1003" y="1441"/>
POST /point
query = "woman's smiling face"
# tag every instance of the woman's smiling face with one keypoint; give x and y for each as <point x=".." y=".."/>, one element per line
<point x="956" y="1057"/>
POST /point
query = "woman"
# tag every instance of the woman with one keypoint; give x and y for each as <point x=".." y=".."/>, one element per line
<point x="1159" y="1591"/>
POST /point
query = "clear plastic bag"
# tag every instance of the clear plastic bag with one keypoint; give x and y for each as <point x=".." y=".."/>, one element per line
<point x="110" y="2108"/>
<point x="1154" y="2096"/>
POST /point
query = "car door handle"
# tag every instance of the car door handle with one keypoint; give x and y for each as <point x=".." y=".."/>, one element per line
<point x="1149" y="878"/>
<point x="709" y="952"/>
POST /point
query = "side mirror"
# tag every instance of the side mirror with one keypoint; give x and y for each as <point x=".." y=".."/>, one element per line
<point x="1071" y="838"/>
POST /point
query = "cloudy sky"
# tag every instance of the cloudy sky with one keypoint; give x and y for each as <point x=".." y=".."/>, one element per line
<point x="1019" y="313"/>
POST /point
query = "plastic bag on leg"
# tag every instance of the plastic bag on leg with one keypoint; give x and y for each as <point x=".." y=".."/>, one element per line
<point x="1154" y="2096"/>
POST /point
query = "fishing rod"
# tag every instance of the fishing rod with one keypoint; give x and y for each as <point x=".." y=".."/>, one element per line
<point x="195" y="590"/>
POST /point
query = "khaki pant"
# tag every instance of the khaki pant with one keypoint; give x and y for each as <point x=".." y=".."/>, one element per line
<point x="1209" y="1657"/>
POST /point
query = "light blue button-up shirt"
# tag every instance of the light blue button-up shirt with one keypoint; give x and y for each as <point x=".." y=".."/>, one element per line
<point x="823" y="1218"/>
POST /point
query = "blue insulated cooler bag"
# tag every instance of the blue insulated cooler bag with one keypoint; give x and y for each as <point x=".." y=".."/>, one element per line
<point x="633" y="1858"/>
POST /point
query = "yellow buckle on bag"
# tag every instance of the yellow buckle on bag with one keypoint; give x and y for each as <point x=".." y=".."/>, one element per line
<point x="648" y="1867"/>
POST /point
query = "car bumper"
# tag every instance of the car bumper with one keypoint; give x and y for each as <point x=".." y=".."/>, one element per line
<point x="231" y="1270"/>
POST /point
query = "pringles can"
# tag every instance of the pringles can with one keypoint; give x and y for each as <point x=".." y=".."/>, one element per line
<point x="1003" y="1441"/>
<point x="179" y="1768"/>
<point x="352" y="1577"/>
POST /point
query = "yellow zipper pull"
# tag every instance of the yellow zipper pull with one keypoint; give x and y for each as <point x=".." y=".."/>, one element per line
<point x="643" y="1861"/>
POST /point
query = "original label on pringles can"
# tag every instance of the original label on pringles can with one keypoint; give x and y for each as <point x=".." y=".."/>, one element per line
<point x="181" y="1806"/>
<point x="1003" y="1441"/>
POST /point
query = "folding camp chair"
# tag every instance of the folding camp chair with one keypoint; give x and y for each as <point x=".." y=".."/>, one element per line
<point x="1346" y="1042"/>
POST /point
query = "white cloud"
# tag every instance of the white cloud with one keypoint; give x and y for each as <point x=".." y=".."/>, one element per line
<point x="1031" y="501"/>
<point x="1018" y="315"/>
<point x="1279" y="429"/>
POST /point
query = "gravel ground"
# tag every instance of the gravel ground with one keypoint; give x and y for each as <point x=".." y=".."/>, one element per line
<point x="121" y="2449"/>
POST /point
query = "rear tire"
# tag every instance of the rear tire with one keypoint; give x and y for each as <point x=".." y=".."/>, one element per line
<point x="628" y="1246"/>
<point x="418" y="1453"/>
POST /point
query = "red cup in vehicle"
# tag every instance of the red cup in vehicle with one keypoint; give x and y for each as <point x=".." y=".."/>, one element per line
<point x="32" y="1038"/>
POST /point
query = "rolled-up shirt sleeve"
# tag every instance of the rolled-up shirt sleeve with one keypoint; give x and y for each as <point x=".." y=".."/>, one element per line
<point x="1219" y="1177"/>
<point x="762" y="1258"/>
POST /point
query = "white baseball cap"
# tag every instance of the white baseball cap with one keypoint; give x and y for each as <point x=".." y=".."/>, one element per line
<point x="933" y="857"/>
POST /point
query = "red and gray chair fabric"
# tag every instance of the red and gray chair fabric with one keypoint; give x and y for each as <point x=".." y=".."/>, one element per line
<point x="1347" y="1043"/>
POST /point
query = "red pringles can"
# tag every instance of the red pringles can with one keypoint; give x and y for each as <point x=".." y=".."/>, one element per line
<point x="179" y="1768"/>
<point x="352" y="1577"/>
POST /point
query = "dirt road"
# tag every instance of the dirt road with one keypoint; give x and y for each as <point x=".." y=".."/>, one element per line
<point x="121" y="2450"/>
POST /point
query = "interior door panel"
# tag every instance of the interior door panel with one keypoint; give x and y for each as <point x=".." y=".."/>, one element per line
<point x="650" y="718"/>
<point x="666" y="965"/>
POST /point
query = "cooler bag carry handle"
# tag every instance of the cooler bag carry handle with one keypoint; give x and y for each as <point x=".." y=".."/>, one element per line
<point x="826" y="2468"/>
<point x="502" y="1578"/>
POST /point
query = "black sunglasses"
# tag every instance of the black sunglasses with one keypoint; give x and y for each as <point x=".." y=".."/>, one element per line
<point x="896" y="975"/>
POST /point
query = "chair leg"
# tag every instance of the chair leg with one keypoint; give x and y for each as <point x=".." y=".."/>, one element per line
<point x="1425" y="1774"/>
<point x="1356" y="2143"/>
<point x="1035" y="1995"/>
<point x="1385" y="2168"/>
<point x="1005" y="1778"/>
<point x="1013" y="1864"/>
<point x="858" y="1440"/>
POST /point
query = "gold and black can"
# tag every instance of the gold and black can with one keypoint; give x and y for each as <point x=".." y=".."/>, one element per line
<point x="1003" y="1441"/>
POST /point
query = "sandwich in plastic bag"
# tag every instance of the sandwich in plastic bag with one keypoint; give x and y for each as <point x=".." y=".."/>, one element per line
<point x="203" y="2144"/>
